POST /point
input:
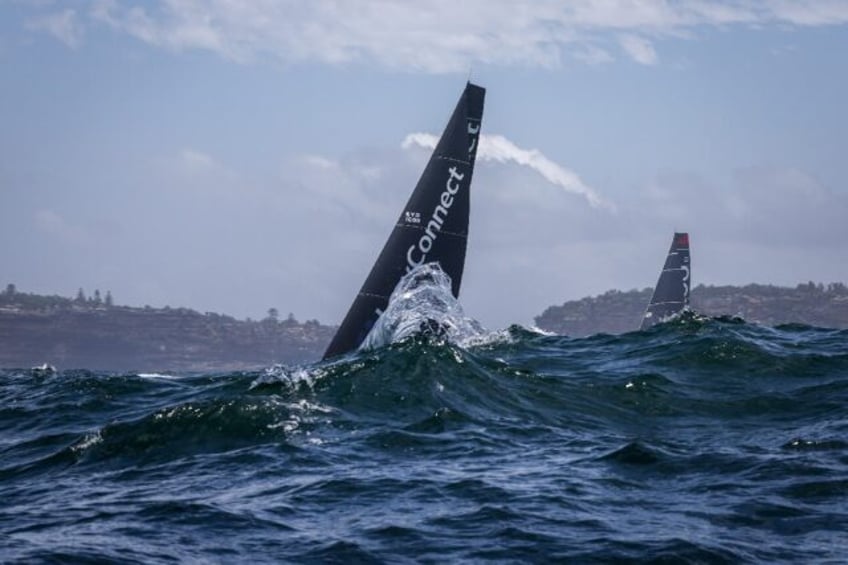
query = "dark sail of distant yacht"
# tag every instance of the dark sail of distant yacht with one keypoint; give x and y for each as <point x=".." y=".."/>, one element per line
<point x="433" y="226"/>
<point x="671" y="294"/>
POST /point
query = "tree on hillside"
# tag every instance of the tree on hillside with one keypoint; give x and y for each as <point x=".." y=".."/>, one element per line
<point x="837" y="288"/>
<point x="290" y="320"/>
<point x="109" y="302"/>
<point x="80" y="296"/>
<point x="10" y="289"/>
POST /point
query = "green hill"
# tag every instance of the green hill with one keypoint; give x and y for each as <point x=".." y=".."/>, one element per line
<point x="618" y="312"/>
<point x="92" y="333"/>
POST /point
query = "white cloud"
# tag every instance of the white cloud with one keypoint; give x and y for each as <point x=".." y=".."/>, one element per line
<point x="592" y="55"/>
<point x="320" y="162"/>
<point x="201" y="170"/>
<point x="197" y="161"/>
<point x="435" y="36"/>
<point x="500" y="149"/>
<point x="431" y="35"/>
<point x="639" y="49"/>
<point x="811" y="12"/>
<point x="64" y="26"/>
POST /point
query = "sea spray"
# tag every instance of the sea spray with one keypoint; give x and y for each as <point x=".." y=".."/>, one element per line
<point x="422" y="304"/>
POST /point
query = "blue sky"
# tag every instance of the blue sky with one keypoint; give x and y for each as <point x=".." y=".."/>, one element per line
<point x="237" y="156"/>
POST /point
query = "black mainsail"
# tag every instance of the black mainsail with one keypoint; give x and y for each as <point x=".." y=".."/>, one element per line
<point x="432" y="227"/>
<point x="671" y="294"/>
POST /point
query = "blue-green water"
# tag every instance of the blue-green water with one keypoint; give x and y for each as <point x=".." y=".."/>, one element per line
<point x="697" y="441"/>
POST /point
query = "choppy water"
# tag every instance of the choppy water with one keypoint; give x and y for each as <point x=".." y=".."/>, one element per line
<point x="696" y="441"/>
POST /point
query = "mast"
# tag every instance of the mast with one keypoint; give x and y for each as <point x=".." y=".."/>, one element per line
<point x="671" y="294"/>
<point x="433" y="226"/>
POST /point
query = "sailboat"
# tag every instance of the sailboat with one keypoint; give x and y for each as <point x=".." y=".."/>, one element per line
<point x="432" y="227"/>
<point x="671" y="294"/>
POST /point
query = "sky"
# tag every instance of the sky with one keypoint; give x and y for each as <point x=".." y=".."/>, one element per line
<point x="235" y="156"/>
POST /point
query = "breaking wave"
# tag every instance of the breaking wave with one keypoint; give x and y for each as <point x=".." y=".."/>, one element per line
<point x="423" y="305"/>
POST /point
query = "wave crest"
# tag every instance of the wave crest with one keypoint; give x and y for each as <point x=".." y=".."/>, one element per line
<point x="422" y="304"/>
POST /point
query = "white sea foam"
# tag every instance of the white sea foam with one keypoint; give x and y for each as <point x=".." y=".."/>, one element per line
<point x="422" y="302"/>
<point x="156" y="376"/>
<point x="536" y="329"/>
<point x="90" y="439"/>
<point x="299" y="413"/>
<point x="290" y="376"/>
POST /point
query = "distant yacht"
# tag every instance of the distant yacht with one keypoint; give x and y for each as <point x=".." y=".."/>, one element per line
<point x="671" y="295"/>
<point x="433" y="227"/>
<point x="44" y="369"/>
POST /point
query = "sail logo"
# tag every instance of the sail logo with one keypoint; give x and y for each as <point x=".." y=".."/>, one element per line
<point x="685" y="269"/>
<point x="412" y="217"/>
<point x="434" y="226"/>
<point x="473" y="130"/>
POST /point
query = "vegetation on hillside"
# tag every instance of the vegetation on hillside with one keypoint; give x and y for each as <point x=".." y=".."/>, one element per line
<point x="618" y="312"/>
<point x="93" y="333"/>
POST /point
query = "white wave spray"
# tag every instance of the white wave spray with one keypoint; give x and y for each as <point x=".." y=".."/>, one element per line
<point x="422" y="304"/>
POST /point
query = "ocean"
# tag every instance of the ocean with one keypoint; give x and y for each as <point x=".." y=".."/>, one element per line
<point x="697" y="441"/>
